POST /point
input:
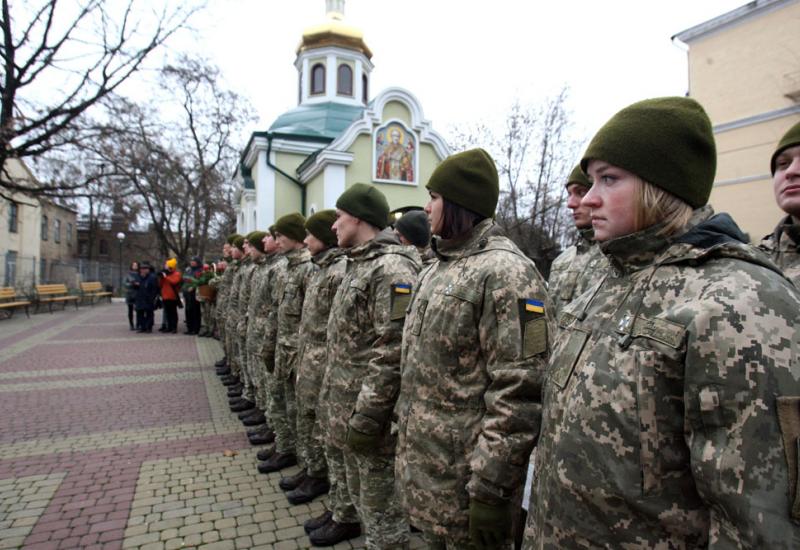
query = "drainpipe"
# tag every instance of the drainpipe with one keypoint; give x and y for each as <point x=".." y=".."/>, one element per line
<point x="287" y="176"/>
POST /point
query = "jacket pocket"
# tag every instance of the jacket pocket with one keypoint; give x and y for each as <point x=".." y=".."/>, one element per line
<point x="566" y="355"/>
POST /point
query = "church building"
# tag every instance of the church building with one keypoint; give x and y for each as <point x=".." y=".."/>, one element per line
<point x="339" y="134"/>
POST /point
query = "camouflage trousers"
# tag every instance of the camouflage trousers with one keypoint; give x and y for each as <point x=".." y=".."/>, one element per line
<point x="339" y="502"/>
<point x="241" y="351"/>
<point x="232" y="345"/>
<point x="250" y="390"/>
<point x="370" y="481"/>
<point x="281" y="413"/>
<point x="436" y="542"/>
<point x="309" y="444"/>
<point x="208" y="320"/>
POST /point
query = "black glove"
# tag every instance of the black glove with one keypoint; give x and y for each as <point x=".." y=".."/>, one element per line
<point x="489" y="525"/>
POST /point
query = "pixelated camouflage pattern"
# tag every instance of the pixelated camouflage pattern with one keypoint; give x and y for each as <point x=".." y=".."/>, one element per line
<point x="256" y="320"/>
<point x="575" y="270"/>
<point x="660" y="427"/>
<point x="297" y="275"/>
<point x="363" y="377"/>
<point x="470" y="402"/>
<point x="339" y="502"/>
<point x="371" y="484"/>
<point x="223" y="292"/>
<point x="783" y="247"/>
<point x="245" y="287"/>
<point x="232" y="316"/>
<point x="314" y="356"/>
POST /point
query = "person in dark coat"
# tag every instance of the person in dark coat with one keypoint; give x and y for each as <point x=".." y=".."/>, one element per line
<point x="146" y="295"/>
<point x="131" y="287"/>
<point x="193" y="313"/>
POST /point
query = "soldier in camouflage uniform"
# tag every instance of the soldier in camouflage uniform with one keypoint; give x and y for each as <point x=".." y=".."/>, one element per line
<point x="582" y="265"/>
<point x="475" y="349"/>
<point x="250" y="416"/>
<point x="312" y="480"/>
<point x="222" y="290"/>
<point x="672" y="402"/>
<point x="783" y="245"/>
<point x="364" y="335"/>
<point x="413" y="229"/>
<point x="230" y="312"/>
<point x="289" y="233"/>
<point x="234" y="313"/>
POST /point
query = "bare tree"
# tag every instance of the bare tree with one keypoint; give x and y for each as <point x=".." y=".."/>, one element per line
<point x="59" y="60"/>
<point x="173" y="158"/>
<point x="534" y="151"/>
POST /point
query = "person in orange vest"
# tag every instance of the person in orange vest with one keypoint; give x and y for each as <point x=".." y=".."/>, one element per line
<point x="169" y="280"/>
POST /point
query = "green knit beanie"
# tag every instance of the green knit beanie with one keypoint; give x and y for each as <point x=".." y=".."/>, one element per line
<point x="256" y="239"/>
<point x="578" y="176"/>
<point x="468" y="179"/>
<point x="238" y="242"/>
<point x="319" y="225"/>
<point x="789" y="139"/>
<point x="232" y="237"/>
<point x="292" y="225"/>
<point x="666" y="141"/>
<point x="365" y="202"/>
<point x="415" y="227"/>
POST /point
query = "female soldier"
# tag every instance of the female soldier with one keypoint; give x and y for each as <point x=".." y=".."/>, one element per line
<point x="672" y="402"/>
<point x="475" y="345"/>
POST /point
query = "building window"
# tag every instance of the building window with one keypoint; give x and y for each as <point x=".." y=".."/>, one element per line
<point x="103" y="247"/>
<point x="364" y="88"/>
<point x="57" y="231"/>
<point x="344" y="80"/>
<point x="11" y="268"/>
<point x="83" y="248"/>
<point x="13" y="217"/>
<point x="69" y="233"/>
<point x="318" y="79"/>
<point x="45" y="228"/>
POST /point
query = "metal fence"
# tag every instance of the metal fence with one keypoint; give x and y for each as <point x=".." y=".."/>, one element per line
<point x="25" y="272"/>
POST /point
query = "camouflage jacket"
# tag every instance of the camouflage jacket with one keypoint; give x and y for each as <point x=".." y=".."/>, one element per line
<point x="475" y="350"/>
<point x="232" y="314"/>
<point x="297" y="275"/>
<point x="268" y="298"/>
<point x="783" y="246"/>
<point x="577" y="269"/>
<point x="257" y="309"/>
<point x="314" y="324"/>
<point x="224" y="287"/>
<point x="660" y="426"/>
<point x="428" y="256"/>
<point x="243" y="299"/>
<point x="365" y="329"/>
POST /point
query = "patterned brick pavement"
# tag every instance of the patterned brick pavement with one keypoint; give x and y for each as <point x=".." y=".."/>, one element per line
<point x="112" y="439"/>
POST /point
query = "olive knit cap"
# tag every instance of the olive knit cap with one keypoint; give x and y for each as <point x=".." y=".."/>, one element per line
<point x="232" y="237"/>
<point x="292" y="225"/>
<point x="256" y="239"/>
<point x="415" y="227"/>
<point x="468" y="179"/>
<point x="578" y="176"/>
<point x="789" y="139"/>
<point x="666" y="141"/>
<point x="238" y="242"/>
<point x="319" y="225"/>
<point x="365" y="202"/>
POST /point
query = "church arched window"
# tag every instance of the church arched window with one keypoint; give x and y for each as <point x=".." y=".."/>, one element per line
<point x="318" y="79"/>
<point x="344" y="80"/>
<point x="364" y="89"/>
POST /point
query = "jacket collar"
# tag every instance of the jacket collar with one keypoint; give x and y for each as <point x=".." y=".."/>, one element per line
<point x="453" y="249"/>
<point x="298" y="256"/>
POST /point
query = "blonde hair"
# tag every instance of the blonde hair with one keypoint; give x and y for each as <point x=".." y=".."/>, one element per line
<point x="654" y="205"/>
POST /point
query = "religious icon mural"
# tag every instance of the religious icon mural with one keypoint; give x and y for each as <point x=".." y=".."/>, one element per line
<point x="395" y="153"/>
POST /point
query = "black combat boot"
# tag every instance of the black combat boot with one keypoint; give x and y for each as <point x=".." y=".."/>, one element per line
<point x="315" y="523"/>
<point x="333" y="533"/>
<point x="222" y="362"/>
<point x="264" y="454"/>
<point x="277" y="462"/>
<point x="243" y="405"/>
<point x="308" y="490"/>
<point x="255" y="418"/>
<point x="289" y="483"/>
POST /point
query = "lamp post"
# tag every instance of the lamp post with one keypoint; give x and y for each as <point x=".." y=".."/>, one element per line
<point x="120" y="238"/>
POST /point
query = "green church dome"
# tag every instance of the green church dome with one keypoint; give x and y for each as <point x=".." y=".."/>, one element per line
<point x="316" y="120"/>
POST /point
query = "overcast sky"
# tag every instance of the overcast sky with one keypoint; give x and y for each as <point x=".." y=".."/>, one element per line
<point x="467" y="60"/>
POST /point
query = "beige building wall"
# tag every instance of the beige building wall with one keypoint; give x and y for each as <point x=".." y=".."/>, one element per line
<point x="744" y="68"/>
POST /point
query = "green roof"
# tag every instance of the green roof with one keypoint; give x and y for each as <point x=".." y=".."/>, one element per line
<point x="317" y="120"/>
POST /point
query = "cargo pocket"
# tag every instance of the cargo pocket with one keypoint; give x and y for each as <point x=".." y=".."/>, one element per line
<point x="648" y="426"/>
<point x="789" y="420"/>
<point x="418" y="317"/>
<point x="565" y="357"/>
<point x="567" y="287"/>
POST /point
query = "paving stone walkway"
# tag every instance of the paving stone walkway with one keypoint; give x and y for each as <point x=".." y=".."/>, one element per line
<point x="111" y="439"/>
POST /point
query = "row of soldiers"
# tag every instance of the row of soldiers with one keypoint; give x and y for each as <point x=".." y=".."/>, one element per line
<point x="651" y="392"/>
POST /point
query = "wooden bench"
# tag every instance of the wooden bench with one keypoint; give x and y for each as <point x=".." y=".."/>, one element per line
<point x="9" y="302"/>
<point x="51" y="294"/>
<point x="94" y="290"/>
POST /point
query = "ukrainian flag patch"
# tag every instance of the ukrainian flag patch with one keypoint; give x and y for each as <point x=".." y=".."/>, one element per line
<point x="401" y="298"/>
<point x="534" y="306"/>
<point x="402" y="288"/>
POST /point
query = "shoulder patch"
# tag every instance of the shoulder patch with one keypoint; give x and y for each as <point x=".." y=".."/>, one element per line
<point x="533" y="327"/>
<point x="401" y="298"/>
